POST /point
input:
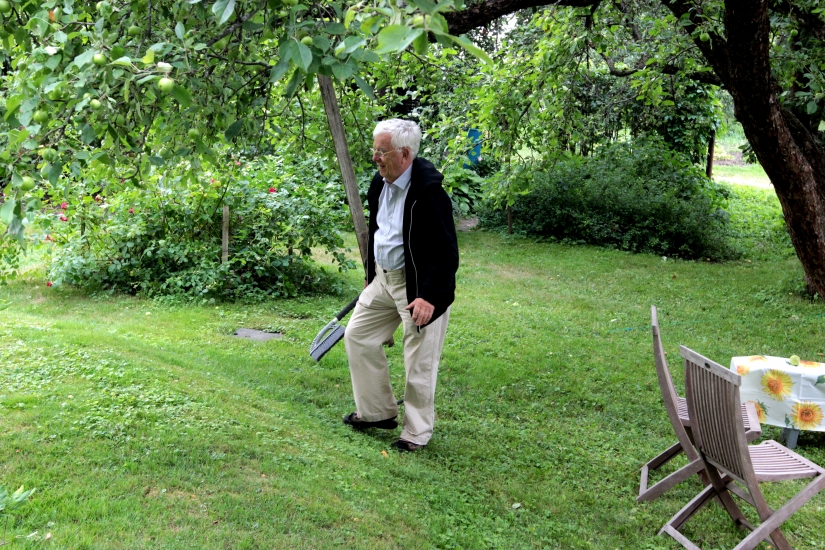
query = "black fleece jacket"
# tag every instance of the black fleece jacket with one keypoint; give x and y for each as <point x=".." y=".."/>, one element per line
<point x="430" y="243"/>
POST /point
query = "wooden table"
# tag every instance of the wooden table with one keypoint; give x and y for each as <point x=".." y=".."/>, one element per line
<point x="787" y="396"/>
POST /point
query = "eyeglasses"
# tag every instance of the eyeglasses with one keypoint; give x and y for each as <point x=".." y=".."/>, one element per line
<point x="381" y="154"/>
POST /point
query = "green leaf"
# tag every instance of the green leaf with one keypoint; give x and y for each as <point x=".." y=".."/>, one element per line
<point x="820" y="380"/>
<point x="352" y="43"/>
<point x="12" y="104"/>
<point x="336" y="28"/>
<point x="87" y="134"/>
<point x="292" y="85"/>
<point x="179" y="30"/>
<point x="234" y="130"/>
<point x="148" y="78"/>
<point x="182" y="95"/>
<point x="155" y="160"/>
<point x="396" y="38"/>
<point x="7" y="212"/>
<point x="149" y="57"/>
<point x="223" y="9"/>
<point x="438" y="23"/>
<point x="53" y="61"/>
<point x="302" y="56"/>
<point x="370" y="56"/>
<point x="124" y="61"/>
<point x="421" y="44"/>
<point x="338" y="71"/>
<point x="365" y="87"/>
<point x="279" y="70"/>
<point x="54" y="173"/>
<point x="251" y="26"/>
<point x="425" y="5"/>
<point x="84" y="59"/>
<point x="468" y="45"/>
<point x="349" y="17"/>
<point x="810" y="108"/>
<point x="321" y="42"/>
<point x="821" y="125"/>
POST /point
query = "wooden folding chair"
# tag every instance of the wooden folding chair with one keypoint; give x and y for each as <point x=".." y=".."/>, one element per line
<point x="677" y="412"/>
<point x="715" y="409"/>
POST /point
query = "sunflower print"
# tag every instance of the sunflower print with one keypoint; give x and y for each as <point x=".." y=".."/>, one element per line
<point x="761" y="410"/>
<point x="757" y="359"/>
<point x="811" y="364"/>
<point x="807" y="415"/>
<point x="742" y="370"/>
<point x="776" y="384"/>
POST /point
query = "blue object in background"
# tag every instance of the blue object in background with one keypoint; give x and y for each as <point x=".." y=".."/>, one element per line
<point x="474" y="153"/>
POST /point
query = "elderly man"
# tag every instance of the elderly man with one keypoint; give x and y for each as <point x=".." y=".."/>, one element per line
<point x="413" y="259"/>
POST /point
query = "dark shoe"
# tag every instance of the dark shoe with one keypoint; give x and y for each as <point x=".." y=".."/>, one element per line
<point x="405" y="446"/>
<point x="358" y="424"/>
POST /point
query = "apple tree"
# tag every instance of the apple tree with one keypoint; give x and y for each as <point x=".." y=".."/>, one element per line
<point x="769" y="55"/>
<point x="106" y="94"/>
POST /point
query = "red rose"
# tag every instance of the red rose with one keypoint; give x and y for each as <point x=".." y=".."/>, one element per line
<point x="273" y="190"/>
<point x="131" y="210"/>
<point x="64" y="205"/>
<point x="48" y="283"/>
<point x="64" y="219"/>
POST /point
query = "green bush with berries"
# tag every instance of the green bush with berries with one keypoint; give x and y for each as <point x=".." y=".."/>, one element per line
<point x="166" y="239"/>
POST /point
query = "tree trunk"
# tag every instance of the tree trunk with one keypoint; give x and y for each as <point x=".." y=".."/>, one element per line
<point x="785" y="147"/>
<point x="339" y="138"/>
<point x="711" y="147"/>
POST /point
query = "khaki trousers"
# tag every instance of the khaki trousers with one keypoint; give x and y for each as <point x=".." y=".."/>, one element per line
<point x="379" y="311"/>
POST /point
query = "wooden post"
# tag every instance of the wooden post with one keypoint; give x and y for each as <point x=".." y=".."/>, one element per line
<point x="339" y="138"/>
<point x="711" y="147"/>
<point x="225" y="235"/>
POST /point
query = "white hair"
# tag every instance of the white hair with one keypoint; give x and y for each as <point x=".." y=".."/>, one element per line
<point x="405" y="133"/>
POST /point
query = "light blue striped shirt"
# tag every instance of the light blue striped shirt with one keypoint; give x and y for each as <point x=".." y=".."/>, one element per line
<point x="389" y="238"/>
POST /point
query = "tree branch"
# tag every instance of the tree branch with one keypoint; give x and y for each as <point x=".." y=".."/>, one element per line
<point x="479" y="15"/>
<point x="706" y="77"/>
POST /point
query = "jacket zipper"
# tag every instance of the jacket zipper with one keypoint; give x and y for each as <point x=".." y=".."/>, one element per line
<point x="409" y="240"/>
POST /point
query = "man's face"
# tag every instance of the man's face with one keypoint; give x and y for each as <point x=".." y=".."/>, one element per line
<point x="392" y="162"/>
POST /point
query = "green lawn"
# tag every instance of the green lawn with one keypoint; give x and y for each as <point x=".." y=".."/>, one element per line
<point x="748" y="174"/>
<point x="146" y="425"/>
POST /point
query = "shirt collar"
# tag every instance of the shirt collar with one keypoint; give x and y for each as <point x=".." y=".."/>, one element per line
<point x="404" y="179"/>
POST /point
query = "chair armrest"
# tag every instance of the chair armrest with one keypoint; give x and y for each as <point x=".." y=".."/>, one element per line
<point x="755" y="431"/>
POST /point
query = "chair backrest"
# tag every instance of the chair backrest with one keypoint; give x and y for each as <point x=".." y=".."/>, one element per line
<point x="669" y="395"/>
<point x="716" y="415"/>
<point x="662" y="371"/>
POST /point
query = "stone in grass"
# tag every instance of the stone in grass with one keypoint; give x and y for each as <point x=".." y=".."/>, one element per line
<point x="256" y="335"/>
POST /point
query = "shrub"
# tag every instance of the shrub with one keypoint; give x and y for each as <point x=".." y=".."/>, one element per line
<point x="464" y="188"/>
<point x="167" y="241"/>
<point x="758" y="225"/>
<point x="640" y="197"/>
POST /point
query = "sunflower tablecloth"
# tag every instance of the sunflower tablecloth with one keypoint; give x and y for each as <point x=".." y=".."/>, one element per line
<point x="785" y="395"/>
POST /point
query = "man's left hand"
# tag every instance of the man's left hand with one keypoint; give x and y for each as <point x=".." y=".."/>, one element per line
<point x="422" y="311"/>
